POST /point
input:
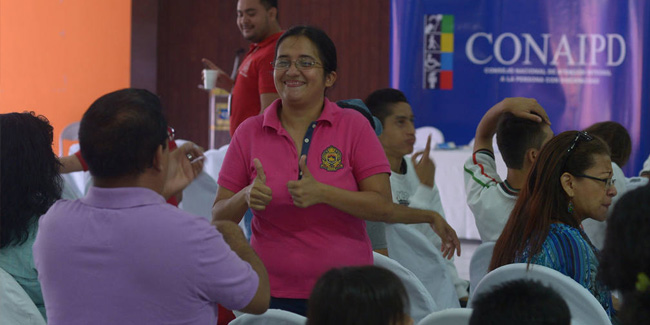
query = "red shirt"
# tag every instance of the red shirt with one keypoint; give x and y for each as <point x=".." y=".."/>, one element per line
<point x="254" y="77"/>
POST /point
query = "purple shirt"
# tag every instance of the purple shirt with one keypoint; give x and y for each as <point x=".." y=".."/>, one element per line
<point x="124" y="256"/>
<point x="297" y="245"/>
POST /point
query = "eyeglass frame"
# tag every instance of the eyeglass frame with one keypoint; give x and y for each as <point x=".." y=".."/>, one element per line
<point x="581" y="134"/>
<point x="295" y="63"/>
<point x="609" y="182"/>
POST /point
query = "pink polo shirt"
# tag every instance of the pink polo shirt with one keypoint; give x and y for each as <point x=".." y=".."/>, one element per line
<point x="297" y="245"/>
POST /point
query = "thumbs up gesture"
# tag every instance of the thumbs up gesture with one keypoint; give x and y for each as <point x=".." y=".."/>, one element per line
<point x="306" y="191"/>
<point x="258" y="195"/>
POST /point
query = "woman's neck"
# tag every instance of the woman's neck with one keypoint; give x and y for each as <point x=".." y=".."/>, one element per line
<point x="300" y="116"/>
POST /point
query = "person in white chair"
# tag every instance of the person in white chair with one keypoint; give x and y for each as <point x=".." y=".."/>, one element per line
<point x="520" y="302"/>
<point x="121" y="254"/>
<point x="412" y="179"/>
<point x="519" y="138"/>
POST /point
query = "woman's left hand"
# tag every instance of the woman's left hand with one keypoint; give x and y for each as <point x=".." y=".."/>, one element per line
<point x="450" y="242"/>
<point x="306" y="191"/>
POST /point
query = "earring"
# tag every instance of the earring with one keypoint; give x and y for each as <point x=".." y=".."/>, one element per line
<point x="570" y="208"/>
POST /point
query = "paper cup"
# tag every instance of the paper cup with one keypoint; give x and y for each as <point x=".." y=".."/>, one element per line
<point x="209" y="78"/>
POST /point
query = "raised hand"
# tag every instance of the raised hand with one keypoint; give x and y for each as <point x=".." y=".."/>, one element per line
<point x="450" y="242"/>
<point x="258" y="195"/>
<point x="425" y="168"/>
<point x="182" y="171"/>
<point x="527" y="108"/>
<point x="306" y="191"/>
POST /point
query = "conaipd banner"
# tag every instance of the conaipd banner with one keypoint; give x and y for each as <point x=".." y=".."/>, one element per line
<point x="582" y="60"/>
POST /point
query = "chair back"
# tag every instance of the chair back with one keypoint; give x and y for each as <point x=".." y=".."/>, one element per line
<point x="421" y="302"/>
<point x="70" y="132"/>
<point x="584" y="307"/>
<point x="421" y="135"/>
<point x="453" y="316"/>
<point x="410" y="248"/>
<point x="214" y="160"/>
<point x="15" y="305"/>
<point x="270" y="317"/>
<point x="478" y="265"/>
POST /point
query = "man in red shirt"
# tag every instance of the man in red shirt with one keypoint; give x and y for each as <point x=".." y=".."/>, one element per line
<point x="253" y="89"/>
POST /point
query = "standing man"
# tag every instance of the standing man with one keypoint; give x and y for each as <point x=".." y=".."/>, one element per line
<point x="121" y="254"/>
<point x="253" y="89"/>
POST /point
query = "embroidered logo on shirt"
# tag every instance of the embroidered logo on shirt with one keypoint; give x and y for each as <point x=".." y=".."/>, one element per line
<point x="331" y="159"/>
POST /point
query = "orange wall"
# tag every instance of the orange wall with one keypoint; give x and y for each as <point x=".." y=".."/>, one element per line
<point x="58" y="56"/>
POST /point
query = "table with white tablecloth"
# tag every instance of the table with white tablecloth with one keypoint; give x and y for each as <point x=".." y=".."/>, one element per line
<point x="451" y="184"/>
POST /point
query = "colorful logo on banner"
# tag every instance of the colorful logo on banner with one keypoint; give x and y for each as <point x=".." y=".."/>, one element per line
<point x="438" y="52"/>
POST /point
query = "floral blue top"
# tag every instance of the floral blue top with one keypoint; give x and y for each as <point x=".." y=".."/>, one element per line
<point x="567" y="250"/>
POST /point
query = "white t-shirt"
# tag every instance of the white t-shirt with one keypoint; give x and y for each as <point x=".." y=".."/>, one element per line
<point x="490" y="199"/>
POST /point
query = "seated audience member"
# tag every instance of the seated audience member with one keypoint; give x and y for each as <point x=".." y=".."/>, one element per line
<point x="570" y="181"/>
<point x="121" y="255"/>
<point x="358" y="295"/>
<point x="412" y="179"/>
<point x="625" y="258"/>
<point x="30" y="185"/>
<point x="620" y="145"/>
<point x="520" y="302"/>
<point x="522" y="127"/>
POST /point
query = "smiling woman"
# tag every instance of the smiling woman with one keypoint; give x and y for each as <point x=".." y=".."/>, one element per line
<point x="570" y="181"/>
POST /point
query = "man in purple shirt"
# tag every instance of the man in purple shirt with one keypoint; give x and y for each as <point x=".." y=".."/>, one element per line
<point x="121" y="255"/>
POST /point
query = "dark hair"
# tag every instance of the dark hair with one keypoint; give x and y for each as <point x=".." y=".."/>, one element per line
<point x="325" y="46"/>
<point x="520" y="302"/>
<point x="626" y="253"/>
<point x="380" y="102"/>
<point x="29" y="174"/>
<point x="616" y="137"/>
<point x="121" y="131"/>
<point x="515" y="135"/>
<point x="268" y="4"/>
<point x="357" y="295"/>
<point x="542" y="200"/>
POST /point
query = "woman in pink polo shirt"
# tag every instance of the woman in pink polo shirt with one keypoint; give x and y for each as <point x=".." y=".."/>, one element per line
<point x="310" y="171"/>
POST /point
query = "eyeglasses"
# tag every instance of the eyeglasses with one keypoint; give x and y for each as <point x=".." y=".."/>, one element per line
<point x="300" y="63"/>
<point x="581" y="135"/>
<point x="171" y="133"/>
<point x="609" y="182"/>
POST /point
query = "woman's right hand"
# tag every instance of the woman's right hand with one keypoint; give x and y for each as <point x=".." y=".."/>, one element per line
<point x="258" y="195"/>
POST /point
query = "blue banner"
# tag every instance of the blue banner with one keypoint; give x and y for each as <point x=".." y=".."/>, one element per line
<point x="582" y="60"/>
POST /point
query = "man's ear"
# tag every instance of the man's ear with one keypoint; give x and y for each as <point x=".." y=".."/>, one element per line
<point x="568" y="184"/>
<point x="273" y="13"/>
<point x="158" y="158"/>
<point x="531" y="155"/>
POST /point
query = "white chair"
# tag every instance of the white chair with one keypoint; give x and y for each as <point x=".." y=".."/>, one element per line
<point x="584" y="307"/>
<point x="454" y="316"/>
<point x="70" y="132"/>
<point x="198" y="197"/>
<point x="214" y="160"/>
<point x="270" y="317"/>
<point x="478" y="265"/>
<point x="421" y="302"/>
<point x="410" y="248"/>
<point x="15" y="305"/>
<point x="421" y="135"/>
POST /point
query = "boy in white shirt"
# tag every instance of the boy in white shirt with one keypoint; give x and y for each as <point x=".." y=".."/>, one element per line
<point x="412" y="181"/>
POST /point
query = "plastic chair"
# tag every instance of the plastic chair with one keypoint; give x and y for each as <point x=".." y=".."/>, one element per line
<point x="421" y="302"/>
<point x="15" y="305"/>
<point x="421" y="135"/>
<point x="410" y="248"/>
<point x="453" y="316"/>
<point x="271" y="316"/>
<point x="478" y="265"/>
<point x="70" y="132"/>
<point x="584" y="307"/>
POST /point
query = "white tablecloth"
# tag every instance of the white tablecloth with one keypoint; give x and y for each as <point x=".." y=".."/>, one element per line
<point x="450" y="181"/>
